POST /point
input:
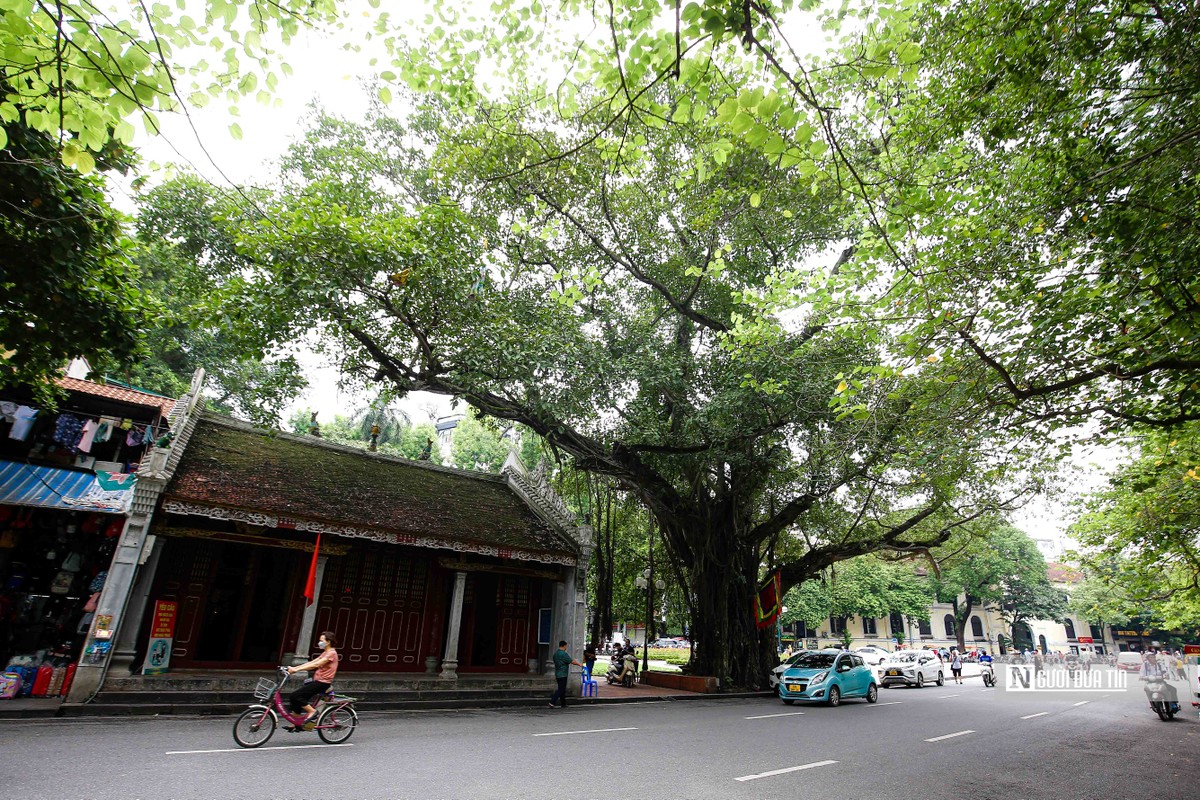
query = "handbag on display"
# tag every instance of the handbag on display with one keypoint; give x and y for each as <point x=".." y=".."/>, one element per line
<point x="62" y="582"/>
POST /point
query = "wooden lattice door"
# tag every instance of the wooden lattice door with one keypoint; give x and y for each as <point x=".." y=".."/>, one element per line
<point x="373" y="599"/>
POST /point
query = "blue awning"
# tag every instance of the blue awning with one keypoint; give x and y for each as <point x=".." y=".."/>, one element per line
<point x="48" y="487"/>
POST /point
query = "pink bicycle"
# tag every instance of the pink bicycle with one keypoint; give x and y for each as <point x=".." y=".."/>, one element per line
<point x="336" y="717"/>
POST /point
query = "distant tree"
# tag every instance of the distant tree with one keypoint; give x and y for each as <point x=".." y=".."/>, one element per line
<point x="1102" y="601"/>
<point x="478" y="446"/>
<point x="867" y="586"/>
<point x="994" y="563"/>
<point x="391" y="420"/>
<point x="341" y="429"/>
<point x="413" y="441"/>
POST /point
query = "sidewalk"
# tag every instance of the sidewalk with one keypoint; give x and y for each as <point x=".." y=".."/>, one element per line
<point x="30" y="707"/>
<point x="641" y="692"/>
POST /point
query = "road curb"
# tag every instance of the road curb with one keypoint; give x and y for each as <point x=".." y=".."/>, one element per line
<point x="70" y="711"/>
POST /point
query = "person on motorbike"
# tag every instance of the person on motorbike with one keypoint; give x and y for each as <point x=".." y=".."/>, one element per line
<point x="628" y="661"/>
<point x="1072" y="663"/>
<point x="1153" y="671"/>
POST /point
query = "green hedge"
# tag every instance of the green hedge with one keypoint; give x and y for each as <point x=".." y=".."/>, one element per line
<point x="675" y="656"/>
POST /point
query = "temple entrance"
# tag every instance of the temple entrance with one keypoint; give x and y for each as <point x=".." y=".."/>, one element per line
<point x="233" y="601"/>
<point x="498" y="623"/>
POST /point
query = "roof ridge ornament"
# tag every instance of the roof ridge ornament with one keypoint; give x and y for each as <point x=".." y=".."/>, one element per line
<point x="535" y="486"/>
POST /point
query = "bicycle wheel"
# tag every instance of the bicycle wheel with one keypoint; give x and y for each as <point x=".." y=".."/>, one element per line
<point x="254" y="727"/>
<point x="336" y="724"/>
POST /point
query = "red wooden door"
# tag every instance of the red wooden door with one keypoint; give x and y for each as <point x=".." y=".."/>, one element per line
<point x="373" y="599"/>
<point x="497" y="623"/>
<point x="515" y="624"/>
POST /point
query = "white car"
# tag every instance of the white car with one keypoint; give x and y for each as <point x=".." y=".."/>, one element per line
<point x="911" y="668"/>
<point x="872" y="655"/>
<point x="774" y="675"/>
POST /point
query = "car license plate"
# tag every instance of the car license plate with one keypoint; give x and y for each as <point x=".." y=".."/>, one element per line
<point x="893" y="672"/>
<point x="795" y="687"/>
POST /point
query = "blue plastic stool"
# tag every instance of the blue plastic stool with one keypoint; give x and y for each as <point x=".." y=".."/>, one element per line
<point x="589" y="687"/>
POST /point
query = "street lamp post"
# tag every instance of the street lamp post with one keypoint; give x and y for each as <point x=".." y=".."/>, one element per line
<point x="646" y="581"/>
<point x="779" y="630"/>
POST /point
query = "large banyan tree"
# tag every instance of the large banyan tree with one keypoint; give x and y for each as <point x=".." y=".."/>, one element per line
<point x="603" y="298"/>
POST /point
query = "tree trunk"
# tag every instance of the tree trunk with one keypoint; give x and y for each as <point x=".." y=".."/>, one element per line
<point x="723" y="578"/>
<point x="961" y="615"/>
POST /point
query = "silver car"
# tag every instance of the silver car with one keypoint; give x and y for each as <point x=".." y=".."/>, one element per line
<point x="911" y="668"/>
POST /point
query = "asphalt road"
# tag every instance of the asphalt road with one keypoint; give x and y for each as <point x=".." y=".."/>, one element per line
<point x="937" y="742"/>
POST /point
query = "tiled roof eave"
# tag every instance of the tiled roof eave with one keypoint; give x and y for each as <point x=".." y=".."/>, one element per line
<point x="175" y="506"/>
<point x="119" y="393"/>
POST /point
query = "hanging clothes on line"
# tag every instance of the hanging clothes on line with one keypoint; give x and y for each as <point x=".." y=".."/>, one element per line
<point x="23" y="419"/>
<point x="105" y="431"/>
<point x="87" y="436"/>
<point x="68" y="430"/>
<point x="135" y="436"/>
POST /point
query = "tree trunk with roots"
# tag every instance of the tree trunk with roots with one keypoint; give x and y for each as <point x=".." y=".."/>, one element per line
<point x="723" y="576"/>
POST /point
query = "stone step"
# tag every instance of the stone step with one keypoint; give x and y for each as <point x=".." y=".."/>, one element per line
<point x="170" y="706"/>
<point x="246" y="697"/>
<point x="350" y="685"/>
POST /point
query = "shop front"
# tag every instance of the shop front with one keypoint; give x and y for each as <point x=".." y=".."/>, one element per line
<point x="54" y="563"/>
<point x="66" y="483"/>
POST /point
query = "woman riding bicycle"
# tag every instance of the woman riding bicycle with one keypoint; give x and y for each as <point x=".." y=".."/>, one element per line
<point x="326" y="666"/>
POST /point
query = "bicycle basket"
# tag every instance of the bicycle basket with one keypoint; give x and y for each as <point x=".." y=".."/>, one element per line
<point x="264" y="690"/>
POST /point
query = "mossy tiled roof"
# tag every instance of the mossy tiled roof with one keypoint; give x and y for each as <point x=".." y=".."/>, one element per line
<point x="232" y="465"/>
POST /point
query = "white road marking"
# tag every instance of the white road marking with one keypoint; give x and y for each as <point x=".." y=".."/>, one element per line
<point x="949" y="736"/>
<point x="1039" y="714"/>
<point x="255" y="750"/>
<point x="787" y="714"/>
<point x="1083" y="702"/>
<point x="784" y="771"/>
<point x="947" y="696"/>
<point x="596" y="730"/>
<point x="892" y="703"/>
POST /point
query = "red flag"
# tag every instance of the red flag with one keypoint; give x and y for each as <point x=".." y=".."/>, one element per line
<point x="310" y="585"/>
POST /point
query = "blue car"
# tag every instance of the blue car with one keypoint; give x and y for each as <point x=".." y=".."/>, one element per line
<point x="828" y="676"/>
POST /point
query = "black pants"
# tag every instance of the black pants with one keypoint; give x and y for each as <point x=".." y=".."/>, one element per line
<point x="560" y="694"/>
<point x="304" y="695"/>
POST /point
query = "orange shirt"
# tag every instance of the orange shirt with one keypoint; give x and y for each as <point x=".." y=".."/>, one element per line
<point x="326" y="671"/>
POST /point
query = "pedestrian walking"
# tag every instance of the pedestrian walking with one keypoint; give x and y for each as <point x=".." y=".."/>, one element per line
<point x="956" y="665"/>
<point x="562" y="669"/>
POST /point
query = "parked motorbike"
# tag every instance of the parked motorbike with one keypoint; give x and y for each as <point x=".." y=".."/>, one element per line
<point x="626" y="676"/>
<point x="1159" y="697"/>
